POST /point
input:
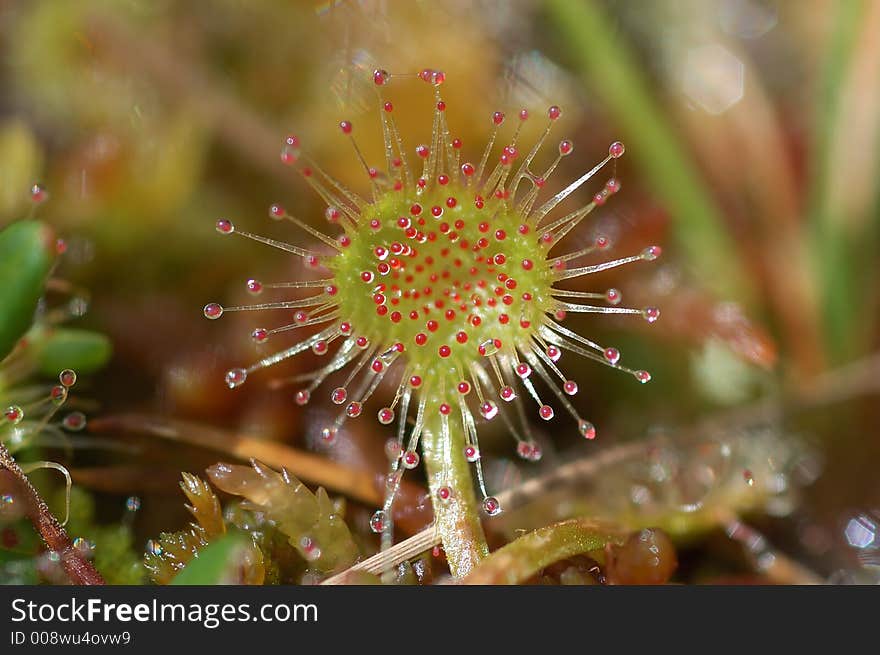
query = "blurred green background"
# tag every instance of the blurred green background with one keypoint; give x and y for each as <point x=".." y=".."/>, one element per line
<point x="751" y="129"/>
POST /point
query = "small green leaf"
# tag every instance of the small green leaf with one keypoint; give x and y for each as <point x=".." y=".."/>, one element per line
<point x="213" y="563"/>
<point x="83" y="351"/>
<point x="517" y="561"/>
<point x="26" y="255"/>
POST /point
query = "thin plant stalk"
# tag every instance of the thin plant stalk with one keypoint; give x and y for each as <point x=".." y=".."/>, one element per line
<point x="456" y="519"/>
<point x="78" y="569"/>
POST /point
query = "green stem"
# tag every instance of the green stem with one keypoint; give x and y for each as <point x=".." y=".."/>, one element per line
<point x="524" y="557"/>
<point x="457" y="519"/>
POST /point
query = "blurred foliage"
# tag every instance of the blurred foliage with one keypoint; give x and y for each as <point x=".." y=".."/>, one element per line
<point x="26" y="255"/>
<point x="148" y="120"/>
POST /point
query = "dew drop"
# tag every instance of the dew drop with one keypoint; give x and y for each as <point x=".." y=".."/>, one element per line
<point x="235" y="377"/>
<point x="132" y="503"/>
<point x="310" y="549"/>
<point x="260" y="335"/>
<point x="328" y="435"/>
<point x="616" y="149"/>
<point x="587" y="430"/>
<point x="67" y="377"/>
<point x="85" y="547"/>
<point x="339" y="395"/>
<point x="378" y="521"/>
<point x="39" y="193"/>
<point x="546" y="412"/>
<point x="523" y="370"/>
<point x="612" y="355"/>
<point x="491" y="506"/>
<point x="410" y="459"/>
<point x="613" y="296"/>
<point x="507" y="393"/>
<point x="354" y="409"/>
<point x="14" y="414"/>
<point x="75" y="421"/>
<point x="529" y="451"/>
<point x="651" y="253"/>
<point x="58" y="395"/>
<point x="471" y="453"/>
<point x="302" y="397"/>
<point x="570" y="387"/>
<point x="213" y="311"/>
<point x="224" y="227"/>
<point x="489" y="410"/>
<point x="385" y="415"/>
<point x="642" y="376"/>
<point x="254" y="287"/>
<point x="651" y="314"/>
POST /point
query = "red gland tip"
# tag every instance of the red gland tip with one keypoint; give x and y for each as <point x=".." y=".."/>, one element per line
<point x="38" y="193"/>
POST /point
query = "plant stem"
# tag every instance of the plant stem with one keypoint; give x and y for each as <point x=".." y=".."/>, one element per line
<point x="78" y="569"/>
<point x="457" y="519"/>
<point x="521" y="559"/>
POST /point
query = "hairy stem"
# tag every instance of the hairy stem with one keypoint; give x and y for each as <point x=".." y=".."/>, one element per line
<point x="521" y="559"/>
<point x="457" y="519"/>
<point x="78" y="569"/>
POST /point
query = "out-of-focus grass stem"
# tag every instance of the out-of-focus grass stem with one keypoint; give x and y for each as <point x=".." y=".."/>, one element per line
<point x="610" y="68"/>
<point x="843" y="177"/>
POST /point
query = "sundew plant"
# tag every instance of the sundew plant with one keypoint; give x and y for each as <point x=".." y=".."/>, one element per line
<point x="367" y="292"/>
<point x="445" y="279"/>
